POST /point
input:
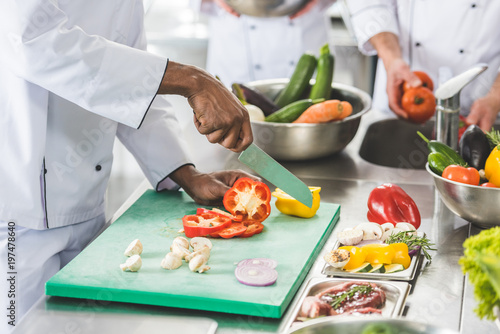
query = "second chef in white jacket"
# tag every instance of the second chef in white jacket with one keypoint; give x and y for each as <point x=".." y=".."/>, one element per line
<point x="74" y="74"/>
<point x="431" y="36"/>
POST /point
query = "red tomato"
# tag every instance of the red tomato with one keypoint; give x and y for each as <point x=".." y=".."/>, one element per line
<point x="234" y="230"/>
<point x="468" y="175"/>
<point x="419" y="103"/>
<point x="426" y="81"/>
<point x="204" y="224"/>
<point x="488" y="185"/>
<point x="249" y="199"/>
<point x="252" y="230"/>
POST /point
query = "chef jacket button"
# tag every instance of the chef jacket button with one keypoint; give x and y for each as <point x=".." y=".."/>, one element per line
<point x="257" y="67"/>
<point x="45" y="170"/>
<point x="417" y="44"/>
<point x="292" y="63"/>
<point x="290" y="23"/>
<point x="473" y="5"/>
<point x="461" y="50"/>
<point x="253" y="27"/>
<point x="98" y="167"/>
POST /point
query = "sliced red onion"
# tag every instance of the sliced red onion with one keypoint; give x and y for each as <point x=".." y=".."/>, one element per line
<point x="261" y="261"/>
<point x="414" y="251"/>
<point x="256" y="275"/>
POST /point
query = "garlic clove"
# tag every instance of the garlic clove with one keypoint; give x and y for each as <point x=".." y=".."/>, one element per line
<point x="171" y="261"/>
<point x="133" y="263"/>
<point x="134" y="248"/>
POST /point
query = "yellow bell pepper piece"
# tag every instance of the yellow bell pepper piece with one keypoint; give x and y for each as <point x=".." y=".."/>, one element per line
<point x="492" y="167"/>
<point x="356" y="259"/>
<point x="379" y="253"/>
<point x="401" y="255"/>
<point x="290" y="206"/>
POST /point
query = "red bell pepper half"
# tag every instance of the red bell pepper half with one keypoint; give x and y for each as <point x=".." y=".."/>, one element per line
<point x="203" y="224"/>
<point x="389" y="203"/>
<point x="249" y="199"/>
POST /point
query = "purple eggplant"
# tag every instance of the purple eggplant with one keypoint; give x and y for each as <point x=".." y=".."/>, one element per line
<point x="474" y="147"/>
<point x="253" y="96"/>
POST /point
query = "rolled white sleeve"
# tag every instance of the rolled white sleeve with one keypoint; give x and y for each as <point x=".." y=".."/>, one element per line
<point x="104" y="77"/>
<point x="369" y="18"/>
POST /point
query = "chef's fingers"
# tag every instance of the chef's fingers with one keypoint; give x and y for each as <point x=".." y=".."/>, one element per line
<point x="245" y="137"/>
<point x="394" y="94"/>
<point x="412" y="79"/>
<point x="483" y="114"/>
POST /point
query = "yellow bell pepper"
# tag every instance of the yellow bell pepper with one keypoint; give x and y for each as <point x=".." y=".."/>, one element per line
<point x="401" y="255"/>
<point x="378" y="253"/>
<point x="290" y="206"/>
<point x="357" y="257"/>
<point x="492" y="167"/>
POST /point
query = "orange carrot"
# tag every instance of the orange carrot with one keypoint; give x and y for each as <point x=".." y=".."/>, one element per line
<point x="327" y="111"/>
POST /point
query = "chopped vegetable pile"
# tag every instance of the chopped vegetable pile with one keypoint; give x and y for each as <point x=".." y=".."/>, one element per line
<point x="486" y="243"/>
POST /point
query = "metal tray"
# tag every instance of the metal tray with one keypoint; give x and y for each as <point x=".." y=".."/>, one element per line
<point x="396" y="294"/>
<point x="405" y="275"/>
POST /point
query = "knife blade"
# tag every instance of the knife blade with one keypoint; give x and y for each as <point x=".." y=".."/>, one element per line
<point x="264" y="165"/>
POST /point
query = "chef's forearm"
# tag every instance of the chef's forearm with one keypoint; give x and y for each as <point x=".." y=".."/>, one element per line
<point x="182" y="79"/>
<point x="387" y="46"/>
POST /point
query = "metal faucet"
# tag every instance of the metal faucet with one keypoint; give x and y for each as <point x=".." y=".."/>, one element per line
<point x="448" y="105"/>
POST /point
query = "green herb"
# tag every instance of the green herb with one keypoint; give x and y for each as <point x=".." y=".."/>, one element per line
<point x="339" y="299"/>
<point x="486" y="243"/>
<point x="413" y="241"/>
<point x="493" y="137"/>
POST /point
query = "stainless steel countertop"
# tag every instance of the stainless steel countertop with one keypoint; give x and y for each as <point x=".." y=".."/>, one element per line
<point x="440" y="294"/>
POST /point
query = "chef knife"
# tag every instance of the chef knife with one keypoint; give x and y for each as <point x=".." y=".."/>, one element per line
<point x="260" y="162"/>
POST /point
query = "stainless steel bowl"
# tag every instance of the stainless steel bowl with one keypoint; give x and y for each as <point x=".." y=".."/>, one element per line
<point x="287" y="141"/>
<point x="478" y="205"/>
<point x="266" y="8"/>
<point x="363" y="324"/>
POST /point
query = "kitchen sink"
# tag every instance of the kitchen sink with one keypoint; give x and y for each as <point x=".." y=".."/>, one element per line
<point x="395" y="143"/>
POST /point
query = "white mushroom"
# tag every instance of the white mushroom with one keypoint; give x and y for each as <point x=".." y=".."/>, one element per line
<point x="199" y="242"/>
<point x="171" y="261"/>
<point x="198" y="263"/>
<point x="387" y="226"/>
<point x="337" y="258"/>
<point x="350" y="237"/>
<point x="371" y="231"/>
<point x="201" y="251"/>
<point x="182" y="242"/>
<point x="133" y="263"/>
<point x="178" y="249"/>
<point x="406" y="227"/>
<point x="389" y="232"/>
<point x="135" y="248"/>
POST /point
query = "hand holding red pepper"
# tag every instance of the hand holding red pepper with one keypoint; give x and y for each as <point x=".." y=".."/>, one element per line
<point x="389" y="203"/>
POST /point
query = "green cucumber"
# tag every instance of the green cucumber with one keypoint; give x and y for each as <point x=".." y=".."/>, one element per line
<point x="364" y="268"/>
<point x="299" y="80"/>
<point x="393" y="268"/>
<point x="292" y="111"/>
<point x="438" y="162"/>
<point x="377" y="268"/>
<point x="436" y="146"/>
<point x="322" y="88"/>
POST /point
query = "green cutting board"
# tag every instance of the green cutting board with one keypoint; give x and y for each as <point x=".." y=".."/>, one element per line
<point x="155" y="219"/>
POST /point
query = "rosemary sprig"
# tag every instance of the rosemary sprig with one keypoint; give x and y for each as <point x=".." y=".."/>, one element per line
<point x="413" y="241"/>
<point x="346" y="295"/>
<point x="493" y="137"/>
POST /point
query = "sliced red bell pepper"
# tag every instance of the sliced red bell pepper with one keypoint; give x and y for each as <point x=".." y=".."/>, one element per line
<point x="252" y="230"/>
<point x="389" y="203"/>
<point x="234" y="230"/>
<point x="249" y="199"/>
<point x="203" y="224"/>
<point x="219" y="212"/>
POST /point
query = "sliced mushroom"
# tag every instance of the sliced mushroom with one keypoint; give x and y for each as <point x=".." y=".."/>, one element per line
<point x="389" y="232"/>
<point x="371" y="231"/>
<point x="203" y="251"/>
<point x="387" y="226"/>
<point x="135" y="248"/>
<point x="199" y="242"/>
<point x="198" y="263"/>
<point x="133" y="263"/>
<point x="406" y="227"/>
<point x="182" y="242"/>
<point x="171" y="261"/>
<point x="179" y="249"/>
<point x="350" y="237"/>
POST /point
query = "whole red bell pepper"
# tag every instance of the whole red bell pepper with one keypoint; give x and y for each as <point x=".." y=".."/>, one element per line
<point x="389" y="203"/>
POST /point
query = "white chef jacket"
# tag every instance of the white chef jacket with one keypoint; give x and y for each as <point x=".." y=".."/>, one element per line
<point x="453" y="34"/>
<point x="248" y="48"/>
<point x="74" y="74"/>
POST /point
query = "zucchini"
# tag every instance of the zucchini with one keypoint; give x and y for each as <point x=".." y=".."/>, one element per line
<point x="299" y="80"/>
<point x="292" y="111"/>
<point x="393" y="268"/>
<point x="438" y="162"/>
<point x="322" y="88"/>
<point x="364" y="268"/>
<point x="378" y="268"/>
<point x="436" y="146"/>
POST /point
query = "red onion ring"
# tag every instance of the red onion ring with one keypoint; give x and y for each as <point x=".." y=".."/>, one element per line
<point x="256" y="275"/>
<point x="261" y="261"/>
